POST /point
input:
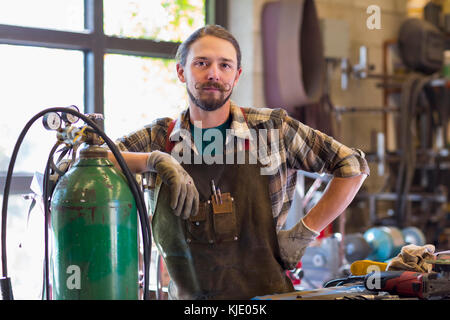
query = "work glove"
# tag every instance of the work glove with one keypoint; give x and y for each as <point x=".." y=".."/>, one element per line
<point x="184" y="198"/>
<point x="293" y="243"/>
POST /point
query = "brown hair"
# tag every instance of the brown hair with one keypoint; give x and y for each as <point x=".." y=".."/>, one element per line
<point x="208" y="30"/>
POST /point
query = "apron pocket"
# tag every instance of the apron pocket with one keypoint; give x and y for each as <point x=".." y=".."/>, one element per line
<point x="198" y="228"/>
<point x="224" y="219"/>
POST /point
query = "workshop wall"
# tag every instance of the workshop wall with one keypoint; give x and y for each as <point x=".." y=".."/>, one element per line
<point x="356" y="129"/>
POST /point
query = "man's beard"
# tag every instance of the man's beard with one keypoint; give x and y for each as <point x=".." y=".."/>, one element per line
<point x="210" y="104"/>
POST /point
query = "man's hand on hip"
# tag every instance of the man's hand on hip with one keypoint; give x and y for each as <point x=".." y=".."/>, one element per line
<point x="293" y="243"/>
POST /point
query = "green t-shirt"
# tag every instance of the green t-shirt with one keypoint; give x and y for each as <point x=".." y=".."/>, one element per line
<point x="210" y="141"/>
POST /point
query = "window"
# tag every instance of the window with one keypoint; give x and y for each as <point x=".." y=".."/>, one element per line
<point x="147" y="87"/>
<point x="31" y="80"/>
<point x="50" y="14"/>
<point x="162" y="20"/>
<point x="103" y="56"/>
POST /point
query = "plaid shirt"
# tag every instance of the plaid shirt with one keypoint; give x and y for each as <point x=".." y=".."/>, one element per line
<point x="290" y="146"/>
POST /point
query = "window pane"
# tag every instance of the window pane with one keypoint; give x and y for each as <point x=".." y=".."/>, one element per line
<point x="167" y="20"/>
<point x="139" y="90"/>
<point x="25" y="248"/>
<point x="33" y="79"/>
<point x="51" y="14"/>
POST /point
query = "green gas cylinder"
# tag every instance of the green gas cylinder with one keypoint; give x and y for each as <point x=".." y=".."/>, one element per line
<point x="93" y="232"/>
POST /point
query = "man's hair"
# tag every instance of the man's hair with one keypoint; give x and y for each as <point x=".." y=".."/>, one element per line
<point x="208" y="30"/>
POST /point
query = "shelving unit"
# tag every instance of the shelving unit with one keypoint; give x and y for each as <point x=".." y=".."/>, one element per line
<point x="420" y="199"/>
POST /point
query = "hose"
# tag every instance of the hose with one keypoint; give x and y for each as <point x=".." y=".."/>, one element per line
<point x="343" y="281"/>
<point x="135" y="189"/>
<point x="46" y="199"/>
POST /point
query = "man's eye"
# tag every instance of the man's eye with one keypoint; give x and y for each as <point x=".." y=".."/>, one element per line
<point x="200" y="63"/>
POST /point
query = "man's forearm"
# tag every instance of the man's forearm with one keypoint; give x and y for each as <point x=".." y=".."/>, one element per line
<point x="336" y="198"/>
<point x="136" y="161"/>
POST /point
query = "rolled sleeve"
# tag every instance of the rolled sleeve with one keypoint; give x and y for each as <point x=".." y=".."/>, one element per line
<point x="313" y="151"/>
<point x="352" y="163"/>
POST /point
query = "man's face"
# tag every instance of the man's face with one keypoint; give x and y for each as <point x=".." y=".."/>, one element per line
<point x="210" y="72"/>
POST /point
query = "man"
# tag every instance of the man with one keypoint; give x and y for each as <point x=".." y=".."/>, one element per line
<point x="218" y="224"/>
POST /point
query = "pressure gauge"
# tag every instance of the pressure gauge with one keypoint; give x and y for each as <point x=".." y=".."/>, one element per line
<point x="51" y="121"/>
<point x="70" y="118"/>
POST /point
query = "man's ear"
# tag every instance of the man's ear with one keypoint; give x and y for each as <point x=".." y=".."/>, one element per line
<point x="238" y="75"/>
<point x="180" y="72"/>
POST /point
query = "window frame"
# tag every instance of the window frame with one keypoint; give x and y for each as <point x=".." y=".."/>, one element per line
<point x="95" y="44"/>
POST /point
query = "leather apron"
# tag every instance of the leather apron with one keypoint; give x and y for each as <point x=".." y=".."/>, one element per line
<point x="229" y="250"/>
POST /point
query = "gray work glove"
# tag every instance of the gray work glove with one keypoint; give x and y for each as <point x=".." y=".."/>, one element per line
<point x="293" y="243"/>
<point x="184" y="198"/>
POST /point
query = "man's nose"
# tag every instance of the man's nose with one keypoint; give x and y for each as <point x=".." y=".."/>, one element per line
<point x="213" y="72"/>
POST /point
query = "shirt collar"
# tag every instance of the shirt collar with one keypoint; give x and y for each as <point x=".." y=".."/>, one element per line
<point x="181" y="127"/>
<point x="239" y="126"/>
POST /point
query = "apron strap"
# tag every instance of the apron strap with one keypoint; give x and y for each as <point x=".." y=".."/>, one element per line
<point x="170" y="144"/>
